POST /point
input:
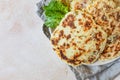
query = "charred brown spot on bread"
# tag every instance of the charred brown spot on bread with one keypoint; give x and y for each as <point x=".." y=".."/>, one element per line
<point x="64" y="44"/>
<point x="72" y="62"/>
<point x="107" y="49"/>
<point x="107" y="7"/>
<point x="54" y="41"/>
<point x="109" y="30"/>
<point x="78" y="6"/>
<point x="64" y="24"/>
<point x="75" y="61"/>
<point x="117" y="48"/>
<point x="62" y="55"/>
<point x="115" y="15"/>
<point x="72" y="25"/>
<point x="88" y="51"/>
<point x="87" y="17"/>
<point x="77" y="55"/>
<point x="91" y="58"/>
<point x="78" y="31"/>
<point x="67" y="46"/>
<point x="81" y="50"/>
<point x="110" y="48"/>
<point x="68" y="36"/>
<point x="97" y="46"/>
<point x="115" y="53"/>
<point x="88" y="40"/>
<point x="87" y="25"/>
<point x="54" y="49"/>
<point x="61" y="47"/>
<point x="80" y="37"/>
<point x="61" y="33"/>
<point x="112" y="25"/>
<point x="98" y="36"/>
<point x="80" y="22"/>
<point x="118" y="16"/>
<point x="96" y="13"/>
<point x="58" y="48"/>
<point x="109" y="41"/>
<point x="104" y="18"/>
<point x="74" y="44"/>
<point x="99" y="39"/>
<point x="109" y="55"/>
<point x="69" y="21"/>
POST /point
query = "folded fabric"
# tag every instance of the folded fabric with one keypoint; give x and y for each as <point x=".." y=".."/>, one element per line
<point x="102" y="72"/>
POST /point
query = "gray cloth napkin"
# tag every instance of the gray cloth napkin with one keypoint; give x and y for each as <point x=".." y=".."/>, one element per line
<point x="102" y="72"/>
<point x="83" y="72"/>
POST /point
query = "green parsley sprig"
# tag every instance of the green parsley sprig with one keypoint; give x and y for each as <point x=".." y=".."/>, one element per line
<point x="54" y="13"/>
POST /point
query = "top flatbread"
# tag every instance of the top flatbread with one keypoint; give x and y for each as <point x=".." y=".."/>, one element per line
<point x="100" y="10"/>
<point x="106" y="13"/>
<point x="78" y="40"/>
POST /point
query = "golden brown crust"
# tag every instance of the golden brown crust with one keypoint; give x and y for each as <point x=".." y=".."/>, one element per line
<point x="81" y="44"/>
<point x="100" y="10"/>
<point x="69" y="21"/>
<point x="82" y="34"/>
<point x="112" y="49"/>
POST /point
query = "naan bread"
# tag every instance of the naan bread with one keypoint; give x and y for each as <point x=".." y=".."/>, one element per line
<point x="82" y="35"/>
<point x="112" y="49"/>
<point x="106" y="13"/>
<point x="100" y="10"/>
<point x="78" y="40"/>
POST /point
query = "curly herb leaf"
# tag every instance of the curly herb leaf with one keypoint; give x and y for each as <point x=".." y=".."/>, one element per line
<point x="54" y="12"/>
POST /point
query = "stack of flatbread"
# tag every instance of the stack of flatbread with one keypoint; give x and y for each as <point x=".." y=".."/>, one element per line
<point x="89" y="32"/>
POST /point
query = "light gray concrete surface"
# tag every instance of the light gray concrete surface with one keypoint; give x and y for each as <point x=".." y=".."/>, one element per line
<point x="25" y="53"/>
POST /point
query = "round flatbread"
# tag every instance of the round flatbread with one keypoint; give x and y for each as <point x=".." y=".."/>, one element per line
<point x="100" y="10"/>
<point x="106" y="13"/>
<point x="78" y="40"/>
<point x="114" y="17"/>
<point x="112" y="49"/>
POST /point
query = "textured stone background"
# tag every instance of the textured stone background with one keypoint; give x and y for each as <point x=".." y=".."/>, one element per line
<point x="25" y="53"/>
